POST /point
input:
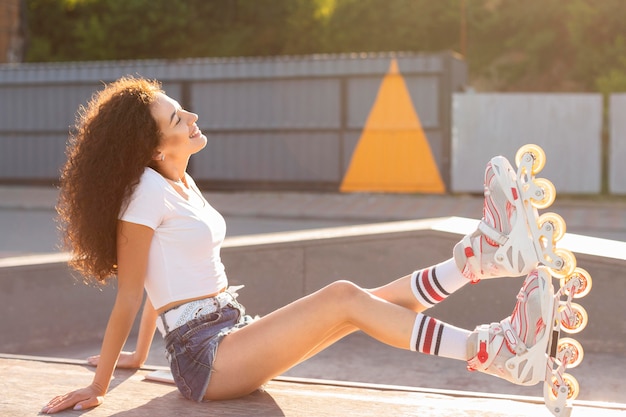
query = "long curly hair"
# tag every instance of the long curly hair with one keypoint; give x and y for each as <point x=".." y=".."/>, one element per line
<point x="114" y="139"/>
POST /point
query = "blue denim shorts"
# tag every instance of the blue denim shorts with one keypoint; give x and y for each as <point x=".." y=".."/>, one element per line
<point x="191" y="348"/>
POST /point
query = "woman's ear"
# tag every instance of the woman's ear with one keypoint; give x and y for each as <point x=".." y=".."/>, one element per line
<point x="158" y="156"/>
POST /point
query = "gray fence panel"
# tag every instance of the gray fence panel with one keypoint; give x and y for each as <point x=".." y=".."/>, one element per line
<point x="360" y="96"/>
<point x="203" y="69"/>
<point x="174" y="90"/>
<point x="41" y="108"/>
<point x="268" y="104"/>
<point x="567" y="126"/>
<point x="292" y="119"/>
<point x="617" y="147"/>
<point x="31" y="156"/>
<point x="279" y="157"/>
<point x="424" y="92"/>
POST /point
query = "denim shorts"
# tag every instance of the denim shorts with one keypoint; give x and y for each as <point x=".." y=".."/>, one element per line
<point x="191" y="348"/>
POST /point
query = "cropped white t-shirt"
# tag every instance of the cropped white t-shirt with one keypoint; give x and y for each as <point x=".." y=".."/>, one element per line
<point x="184" y="260"/>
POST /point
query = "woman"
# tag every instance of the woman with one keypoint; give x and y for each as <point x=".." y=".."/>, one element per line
<point x="130" y="210"/>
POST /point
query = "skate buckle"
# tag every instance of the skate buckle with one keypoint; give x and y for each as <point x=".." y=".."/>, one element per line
<point x="467" y="271"/>
<point x="483" y="355"/>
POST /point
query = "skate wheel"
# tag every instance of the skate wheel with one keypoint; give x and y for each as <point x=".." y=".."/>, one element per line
<point x="585" y="282"/>
<point x="572" y="385"/>
<point x="575" y="348"/>
<point x="546" y="197"/>
<point x="552" y="222"/>
<point x="576" y="323"/>
<point x="531" y="153"/>
<point x="567" y="262"/>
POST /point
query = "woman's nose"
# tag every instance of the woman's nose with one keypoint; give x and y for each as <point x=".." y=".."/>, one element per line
<point x="192" y="117"/>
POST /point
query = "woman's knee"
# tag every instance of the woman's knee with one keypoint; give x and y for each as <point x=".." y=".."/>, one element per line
<point x="342" y="291"/>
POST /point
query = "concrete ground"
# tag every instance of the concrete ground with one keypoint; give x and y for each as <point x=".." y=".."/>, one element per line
<point x="26" y="221"/>
<point x="29" y="382"/>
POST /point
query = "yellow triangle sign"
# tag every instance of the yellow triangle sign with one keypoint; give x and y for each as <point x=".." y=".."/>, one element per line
<point x="393" y="153"/>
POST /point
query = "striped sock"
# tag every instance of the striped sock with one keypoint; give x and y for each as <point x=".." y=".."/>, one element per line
<point x="433" y="285"/>
<point x="433" y="337"/>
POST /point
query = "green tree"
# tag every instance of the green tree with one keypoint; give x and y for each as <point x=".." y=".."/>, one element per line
<point x="399" y="25"/>
<point x="49" y="36"/>
<point x="520" y="45"/>
<point x="531" y="45"/>
<point x="63" y="30"/>
<point x="598" y="32"/>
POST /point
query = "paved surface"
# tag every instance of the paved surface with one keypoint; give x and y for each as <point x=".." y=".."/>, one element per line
<point x="26" y="221"/>
<point x="132" y="396"/>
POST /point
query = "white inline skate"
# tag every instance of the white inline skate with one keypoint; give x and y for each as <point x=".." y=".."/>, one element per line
<point x="525" y="348"/>
<point x="512" y="238"/>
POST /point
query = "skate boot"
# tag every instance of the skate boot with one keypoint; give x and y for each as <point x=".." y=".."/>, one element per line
<point x="511" y="239"/>
<point x="525" y="348"/>
<point x="515" y="349"/>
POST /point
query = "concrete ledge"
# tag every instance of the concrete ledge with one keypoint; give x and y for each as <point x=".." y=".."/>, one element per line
<point x="29" y="383"/>
<point x="47" y="306"/>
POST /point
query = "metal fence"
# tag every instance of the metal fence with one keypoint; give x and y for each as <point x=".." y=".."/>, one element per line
<point x="617" y="146"/>
<point x="567" y="126"/>
<point x="295" y="122"/>
<point x="283" y="122"/>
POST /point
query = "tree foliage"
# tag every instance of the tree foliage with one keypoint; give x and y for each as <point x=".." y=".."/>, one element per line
<point x="531" y="45"/>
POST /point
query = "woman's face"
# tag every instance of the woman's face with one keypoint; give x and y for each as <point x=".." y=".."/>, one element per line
<point x="181" y="137"/>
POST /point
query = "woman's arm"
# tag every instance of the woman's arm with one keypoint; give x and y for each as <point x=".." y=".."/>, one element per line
<point x="147" y="326"/>
<point x="138" y="357"/>
<point x="133" y="244"/>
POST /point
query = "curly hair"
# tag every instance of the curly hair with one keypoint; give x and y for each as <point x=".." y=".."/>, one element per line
<point x="114" y="140"/>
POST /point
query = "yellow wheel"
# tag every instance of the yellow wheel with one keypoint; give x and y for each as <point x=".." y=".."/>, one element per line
<point x="575" y="348"/>
<point x="568" y="263"/>
<point x="554" y="223"/>
<point x="576" y="323"/>
<point x="547" y="197"/>
<point x="585" y="282"/>
<point x="533" y="152"/>
<point x="572" y="385"/>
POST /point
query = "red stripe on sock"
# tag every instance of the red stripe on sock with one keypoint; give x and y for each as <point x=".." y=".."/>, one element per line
<point x="428" y="340"/>
<point x="429" y="288"/>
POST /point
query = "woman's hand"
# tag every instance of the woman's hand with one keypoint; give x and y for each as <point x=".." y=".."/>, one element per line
<point x="127" y="360"/>
<point x="80" y="399"/>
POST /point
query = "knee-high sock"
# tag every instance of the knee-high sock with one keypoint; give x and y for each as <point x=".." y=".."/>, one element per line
<point x="435" y="337"/>
<point x="434" y="284"/>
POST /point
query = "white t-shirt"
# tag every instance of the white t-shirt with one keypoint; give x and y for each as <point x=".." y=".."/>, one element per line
<point x="184" y="260"/>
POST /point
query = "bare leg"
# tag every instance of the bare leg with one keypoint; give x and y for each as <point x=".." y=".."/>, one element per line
<point x="397" y="292"/>
<point x="266" y="348"/>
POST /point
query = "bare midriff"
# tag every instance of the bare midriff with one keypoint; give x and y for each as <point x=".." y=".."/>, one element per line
<point x="177" y="303"/>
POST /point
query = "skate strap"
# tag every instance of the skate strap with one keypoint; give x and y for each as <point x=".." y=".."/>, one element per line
<point x="515" y="344"/>
<point x="486" y="349"/>
<point x="473" y="263"/>
<point x="492" y="233"/>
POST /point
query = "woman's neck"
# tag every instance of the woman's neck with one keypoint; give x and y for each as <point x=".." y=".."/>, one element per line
<point x="172" y="174"/>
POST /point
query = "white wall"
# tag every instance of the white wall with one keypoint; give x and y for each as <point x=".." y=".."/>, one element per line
<point x="617" y="147"/>
<point x="567" y="126"/>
